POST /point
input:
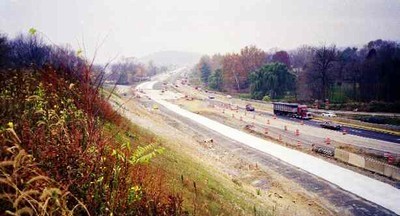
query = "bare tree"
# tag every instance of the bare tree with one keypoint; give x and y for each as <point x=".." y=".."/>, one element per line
<point x="322" y="69"/>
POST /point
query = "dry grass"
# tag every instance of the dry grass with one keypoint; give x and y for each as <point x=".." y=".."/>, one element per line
<point x="76" y="139"/>
<point x="25" y="189"/>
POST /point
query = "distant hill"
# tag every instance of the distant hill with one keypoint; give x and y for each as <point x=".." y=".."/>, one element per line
<point x="167" y="58"/>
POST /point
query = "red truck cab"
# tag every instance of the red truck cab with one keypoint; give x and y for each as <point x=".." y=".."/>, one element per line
<point x="292" y="109"/>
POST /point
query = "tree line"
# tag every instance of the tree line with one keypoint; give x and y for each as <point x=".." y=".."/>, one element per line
<point x="32" y="51"/>
<point x="129" y="70"/>
<point x="308" y="73"/>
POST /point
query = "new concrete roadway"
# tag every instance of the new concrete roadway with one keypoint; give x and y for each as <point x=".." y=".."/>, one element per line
<point x="365" y="187"/>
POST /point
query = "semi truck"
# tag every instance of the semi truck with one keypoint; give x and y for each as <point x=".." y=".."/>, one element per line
<point x="292" y="110"/>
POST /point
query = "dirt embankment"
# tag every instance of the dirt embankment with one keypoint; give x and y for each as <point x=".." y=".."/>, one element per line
<point x="245" y="184"/>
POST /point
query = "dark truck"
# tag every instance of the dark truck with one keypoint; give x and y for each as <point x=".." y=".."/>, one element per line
<point x="292" y="110"/>
<point x="249" y="107"/>
<point x="330" y="125"/>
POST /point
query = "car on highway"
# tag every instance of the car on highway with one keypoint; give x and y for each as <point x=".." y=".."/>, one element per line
<point x="329" y="114"/>
<point x="331" y="125"/>
<point x="211" y="97"/>
<point x="249" y="107"/>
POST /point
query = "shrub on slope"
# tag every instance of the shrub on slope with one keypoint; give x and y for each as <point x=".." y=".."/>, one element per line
<point x="73" y="136"/>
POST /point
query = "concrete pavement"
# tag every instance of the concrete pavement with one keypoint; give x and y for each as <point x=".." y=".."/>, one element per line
<point x="370" y="189"/>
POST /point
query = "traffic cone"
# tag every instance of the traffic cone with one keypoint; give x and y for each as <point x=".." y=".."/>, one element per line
<point x="298" y="144"/>
<point x="390" y="159"/>
<point x="223" y="111"/>
<point x="297" y="132"/>
<point x="266" y="130"/>
<point x="274" y="116"/>
<point x="285" y="128"/>
<point x="268" y="121"/>
<point x="301" y="122"/>
<point x="344" y="131"/>
<point x="328" y="141"/>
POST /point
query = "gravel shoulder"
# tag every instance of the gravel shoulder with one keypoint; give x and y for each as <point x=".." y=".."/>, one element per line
<point x="248" y="181"/>
<point x="279" y="185"/>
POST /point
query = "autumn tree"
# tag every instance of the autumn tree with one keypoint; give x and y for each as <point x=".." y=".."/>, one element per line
<point x="252" y="58"/>
<point x="216" y="62"/>
<point x="237" y="67"/>
<point x="126" y="71"/>
<point x="369" y="73"/>
<point x="140" y="71"/>
<point x="282" y="57"/>
<point x="233" y="73"/>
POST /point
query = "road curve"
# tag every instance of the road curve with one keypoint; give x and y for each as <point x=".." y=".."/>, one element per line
<point x="365" y="187"/>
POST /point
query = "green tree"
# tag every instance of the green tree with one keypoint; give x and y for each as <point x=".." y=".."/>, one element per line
<point x="204" y="66"/>
<point x="273" y="80"/>
<point x="123" y="78"/>
<point x="215" y="81"/>
<point x="205" y="72"/>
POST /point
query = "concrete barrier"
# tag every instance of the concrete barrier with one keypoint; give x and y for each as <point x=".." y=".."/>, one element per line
<point x="392" y="171"/>
<point x="375" y="166"/>
<point x="342" y="155"/>
<point x="368" y="164"/>
<point x="356" y="160"/>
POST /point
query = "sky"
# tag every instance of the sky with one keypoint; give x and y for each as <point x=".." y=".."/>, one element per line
<point x="118" y="28"/>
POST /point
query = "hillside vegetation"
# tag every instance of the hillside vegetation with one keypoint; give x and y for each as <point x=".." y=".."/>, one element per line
<point x="64" y="150"/>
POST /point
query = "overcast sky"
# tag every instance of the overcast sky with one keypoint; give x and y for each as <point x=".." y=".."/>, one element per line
<point x="140" y="27"/>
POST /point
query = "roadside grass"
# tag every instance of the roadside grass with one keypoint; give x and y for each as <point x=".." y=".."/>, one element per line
<point x="108" y="91"/>
<point x="194" y="106"/>
<point x="244" y="95"/>
<point x="202" y="191"/>
<point x="69" y="150"/>
<point x="378" y="120"/>
<point x="77" y="140"/>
